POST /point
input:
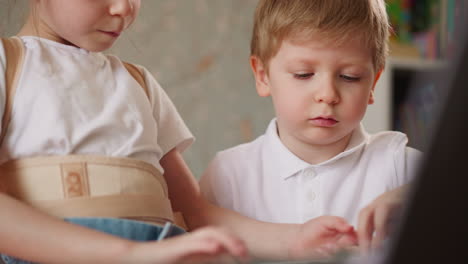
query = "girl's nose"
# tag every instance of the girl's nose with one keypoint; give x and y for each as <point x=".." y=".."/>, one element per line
<point x="327" y="92"/>
<point x="122" y="8"/>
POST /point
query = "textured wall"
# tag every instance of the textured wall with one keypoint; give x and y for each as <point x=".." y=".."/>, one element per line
<point x="198" y="50"/>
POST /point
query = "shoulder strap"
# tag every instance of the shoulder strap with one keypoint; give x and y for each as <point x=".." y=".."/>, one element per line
<point x="137" y="75"/>
<point x="14" y="53"/>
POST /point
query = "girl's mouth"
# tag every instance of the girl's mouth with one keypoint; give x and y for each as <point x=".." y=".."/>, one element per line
<point x="323" y="122"/>
<point x="111" y="33"/>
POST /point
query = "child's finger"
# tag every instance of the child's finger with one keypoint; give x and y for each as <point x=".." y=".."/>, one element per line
<point x="232" y="244"/>
<point x="321" y="253"/>
<point x="338" y="224"/>
<point x="348" y="240"/>
<point x="212" y="251"/>
<point x="365" y="228"/>
<point x="201" y="247"/>
<point x="381" y="226"/>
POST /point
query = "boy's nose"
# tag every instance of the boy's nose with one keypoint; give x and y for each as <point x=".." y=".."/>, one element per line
<point x="327" y="93"/>
<point x="122" y="8"/>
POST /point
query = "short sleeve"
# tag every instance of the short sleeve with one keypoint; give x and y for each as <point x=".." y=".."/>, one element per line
<point x="407" y="161"/>
<point x="2" y="82"/>
<point x="216" y="185"/>
<point x="172" y="130"/>
<point x="412" y="162"/>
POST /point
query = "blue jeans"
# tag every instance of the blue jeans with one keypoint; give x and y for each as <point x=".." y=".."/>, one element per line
<point x="129" y="229"/>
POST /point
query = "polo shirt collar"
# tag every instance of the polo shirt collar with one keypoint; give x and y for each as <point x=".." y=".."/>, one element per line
<point x="277" y="159"/>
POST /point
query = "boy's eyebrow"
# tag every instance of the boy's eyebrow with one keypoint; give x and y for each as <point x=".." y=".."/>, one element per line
<point x="360" y="64"/>
<point x="301" y="62"/>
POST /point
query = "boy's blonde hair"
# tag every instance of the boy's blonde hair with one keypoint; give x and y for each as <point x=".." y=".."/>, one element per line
<point x="335" y="20"/>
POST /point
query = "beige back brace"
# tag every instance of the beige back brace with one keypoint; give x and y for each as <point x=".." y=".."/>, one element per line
<point x="82" y="185"/>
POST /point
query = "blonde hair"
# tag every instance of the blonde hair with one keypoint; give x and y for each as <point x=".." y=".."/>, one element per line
<point x="335" y="20"/>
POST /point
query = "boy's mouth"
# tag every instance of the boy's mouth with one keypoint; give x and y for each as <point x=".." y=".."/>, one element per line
<point x="323" y="121"/>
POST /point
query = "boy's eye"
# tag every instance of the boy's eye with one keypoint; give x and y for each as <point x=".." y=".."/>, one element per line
<point x="350" y="78"/>
<point x="302" y="76"/>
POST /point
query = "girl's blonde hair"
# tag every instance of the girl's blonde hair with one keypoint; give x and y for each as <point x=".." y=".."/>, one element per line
<point x="335" y="20"/>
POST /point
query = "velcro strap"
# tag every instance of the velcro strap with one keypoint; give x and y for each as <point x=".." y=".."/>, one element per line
<point x="86" y="185"/>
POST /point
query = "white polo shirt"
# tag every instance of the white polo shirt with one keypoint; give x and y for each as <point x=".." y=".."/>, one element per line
<point x="264" y="180"/>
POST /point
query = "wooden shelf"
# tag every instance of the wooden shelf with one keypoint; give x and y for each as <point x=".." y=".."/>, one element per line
<point x="415" y="63"/>
<point x="407" y="56"/>
<point x="403" y="50"/>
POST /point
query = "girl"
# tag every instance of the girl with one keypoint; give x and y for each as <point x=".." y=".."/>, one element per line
<point x="73" y="103"/>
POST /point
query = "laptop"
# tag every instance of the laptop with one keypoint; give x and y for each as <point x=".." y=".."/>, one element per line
<point x="434" y="225"/>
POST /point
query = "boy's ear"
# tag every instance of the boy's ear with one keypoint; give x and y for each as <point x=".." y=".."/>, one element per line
<point x="261" y="76"/>
<point x="377" y="77"/>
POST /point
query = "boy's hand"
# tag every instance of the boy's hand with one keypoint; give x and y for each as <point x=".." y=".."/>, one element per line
<point x="321" y="237"/>
<point x="205" y="245"/>
<point x="377" y="218"/>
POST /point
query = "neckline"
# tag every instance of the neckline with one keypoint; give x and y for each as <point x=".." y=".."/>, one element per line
<point x="57" y="44"/>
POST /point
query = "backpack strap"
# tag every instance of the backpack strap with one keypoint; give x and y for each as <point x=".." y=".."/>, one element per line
<point x="137" y="74"/>
<point x="14" y="53"/>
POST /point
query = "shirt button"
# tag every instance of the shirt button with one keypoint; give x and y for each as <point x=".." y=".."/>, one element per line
<point x="310" y="173"/>
<point x="312" y="196"/>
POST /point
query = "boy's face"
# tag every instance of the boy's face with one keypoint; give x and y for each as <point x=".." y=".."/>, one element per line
<point x="320" y="92"/>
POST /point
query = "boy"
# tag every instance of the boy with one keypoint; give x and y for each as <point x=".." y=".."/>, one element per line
<point x="319" y="60"/>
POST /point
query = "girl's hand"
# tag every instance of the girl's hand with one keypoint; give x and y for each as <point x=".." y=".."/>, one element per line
<point x="321" y="237"/>
<point x="205" y="245"/>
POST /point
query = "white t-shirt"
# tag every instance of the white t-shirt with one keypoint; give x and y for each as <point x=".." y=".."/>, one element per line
<point x="72" y="101"/>
<point x="264" y="180"/>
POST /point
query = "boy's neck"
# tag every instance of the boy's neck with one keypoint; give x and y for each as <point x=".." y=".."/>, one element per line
<point x="316" y="154"/>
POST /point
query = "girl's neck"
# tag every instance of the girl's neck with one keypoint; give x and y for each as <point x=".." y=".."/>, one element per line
<point x="30" y="28"/>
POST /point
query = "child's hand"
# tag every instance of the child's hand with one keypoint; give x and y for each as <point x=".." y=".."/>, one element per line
<point x="205" y="245"/>
<point x="321" y="237"/>
<point x="377" y="217"/>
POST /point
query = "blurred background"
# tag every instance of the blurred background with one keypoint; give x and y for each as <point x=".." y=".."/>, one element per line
<point x="198" y="50"/>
